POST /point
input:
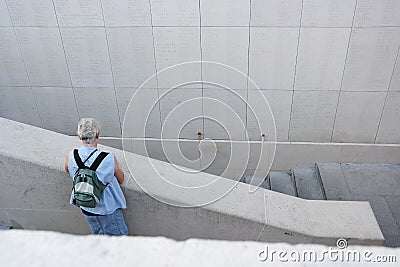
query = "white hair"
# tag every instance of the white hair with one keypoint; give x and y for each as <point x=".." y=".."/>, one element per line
<point x="88" y="130"/>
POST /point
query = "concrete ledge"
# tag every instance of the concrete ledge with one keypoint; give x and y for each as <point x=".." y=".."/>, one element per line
<point x="288" y="155"/>
<point x="31" y="168"/>
<point x="34" y="248"/>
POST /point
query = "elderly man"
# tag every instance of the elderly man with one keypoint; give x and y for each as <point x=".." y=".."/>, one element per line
<point x="106" y="217"/>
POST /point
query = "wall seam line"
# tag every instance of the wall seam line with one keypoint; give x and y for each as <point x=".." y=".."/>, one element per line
<point x="387" y="93"/>
<point x="201" y="74"/>
<point x="66" y="60"/>
<point x="111" y="67"/>
<point x="26" y="69"/>
<point x="155" y="67"/>
<point x="344" y="69"/>
<point x="295" y="70"/>
<point x="246" y="136"/>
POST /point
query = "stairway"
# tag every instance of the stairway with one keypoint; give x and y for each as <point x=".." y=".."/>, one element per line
<point x="379" y="184"/>
<point x="309" y="183"/>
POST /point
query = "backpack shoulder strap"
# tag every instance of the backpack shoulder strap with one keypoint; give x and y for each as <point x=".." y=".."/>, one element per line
<point x="98" y="160"/>
<point x="78" y="159"/>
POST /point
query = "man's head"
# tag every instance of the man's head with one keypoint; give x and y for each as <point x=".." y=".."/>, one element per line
<point x="88" y="130"/>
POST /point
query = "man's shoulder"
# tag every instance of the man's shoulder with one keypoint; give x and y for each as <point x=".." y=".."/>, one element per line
<point x="70" y="153"/>
<point x="109" y="157"/>
<point x="109" y="154"/>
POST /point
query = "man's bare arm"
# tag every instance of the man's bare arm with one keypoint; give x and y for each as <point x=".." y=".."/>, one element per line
<point x="118" y="172"/>
<point x="66" y="164"/>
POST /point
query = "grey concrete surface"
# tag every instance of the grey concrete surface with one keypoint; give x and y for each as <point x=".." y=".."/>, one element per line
<point x="288" y="155"/>
<point x="42" y="248"/>
<point x="377" y="183"/>
<point x="385" y="218"/>
<point x="333" y="180"/>
<point x="394" y="205"/>
<point x="266" y="183"/>
<point x="52" y="220"/>
<point x="371" y="179"/>
<point x="283" y="183"/>
<point x="262" y="215"/>
<point x="308" y="184"/>
<point x="258" y="181"/>
<point x="40" y="186"/>
<point x="45" y="59"/>
<point x="4" y="220"/>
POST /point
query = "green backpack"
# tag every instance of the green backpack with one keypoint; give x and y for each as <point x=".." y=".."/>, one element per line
<point x="87" y="187"/>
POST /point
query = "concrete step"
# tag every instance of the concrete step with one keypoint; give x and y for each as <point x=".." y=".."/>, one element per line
<point x="282" y="182"/>
<point x="333" y="181"/>
<point x="308" y="184"/>
<point x="267" y="183"/>
<point x="258" y="181"/>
